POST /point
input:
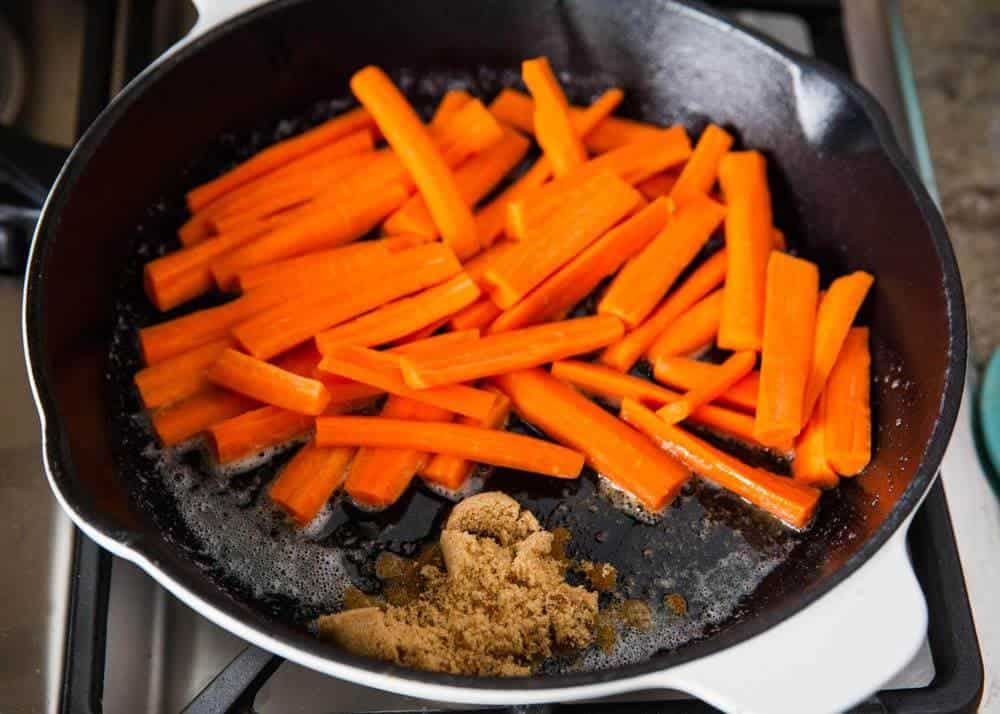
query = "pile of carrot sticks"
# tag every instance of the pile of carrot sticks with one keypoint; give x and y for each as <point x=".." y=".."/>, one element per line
<point x="456" y="312"/>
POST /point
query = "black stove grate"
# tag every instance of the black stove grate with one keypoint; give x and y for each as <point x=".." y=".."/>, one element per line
<point x="958" y="682"/>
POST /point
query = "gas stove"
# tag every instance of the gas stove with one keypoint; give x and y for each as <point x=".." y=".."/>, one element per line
<point x="86" y="632"/>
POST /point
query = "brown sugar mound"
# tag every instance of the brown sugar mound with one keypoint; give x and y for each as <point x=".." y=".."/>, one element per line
<point x="500" y="609"/>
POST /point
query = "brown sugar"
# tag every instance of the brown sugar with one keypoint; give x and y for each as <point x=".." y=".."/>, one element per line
<point x="500" y="607"/>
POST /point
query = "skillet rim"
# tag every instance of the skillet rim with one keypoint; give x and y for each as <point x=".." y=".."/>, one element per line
<point x="143" y="551"/>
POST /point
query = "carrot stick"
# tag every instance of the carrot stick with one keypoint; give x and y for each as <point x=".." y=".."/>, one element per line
<point x="811" y="465"/>
<point x="452" y="101"/>
<point x="288" y="193"/>
<point x="278" y="155"/>
<point x="402" y="317"/>
<point x="178" y="377"/>
<point x="730" y="372"/>
<point x="268" y="384"/>
<point x="325" y="226"/>
<point x="475" y="179"/>
<point x="554" y="130"/>
<point x="413" y="144"/>
<point x="286" y="325"/>
<point x="698" y="174"/>
<point x="468" y="131"/>
<point x="488" y="446"/>
<point x="614" y="386"/>
<point x="379" y="476"/>
<point x="476" y="267"/>
<point x="195" y="229"/>
<point x="180" y="421"/>
<point x="612" y="449"/>
<point x="254" y="431"/>
<point x="784" y="498"/>
<point x="421" y="334"/>
<point x="690" y="333"/>
<point x="517" y="109"/>
<point x="778" y="241"/>
<point x="599" y="204"/>
<point x="509" y="351"/>
<point x="834" y="317"/>
<point x="743" y="176"/>
<point x="848" y="421"/>
<point x="644" y="280"/>
<point x="303" y="360"/>
<point x="658" y="185"/>
<point x="632" y="163"/>
<point x="789" y="326"/>
<point x="177" y="277"/>
<point x="686" y="373"/>
<point x="382" y="370"/>
<point x="309" y="479"/>
<point x="451" y="472"/>
<point x="173" y="337"/>
<point x="578" y="278"/>
<point x="344" y="261"/>
<point x="437" y="344"/>
<point x="703" y="280"/>
<point x="479" y="314"/>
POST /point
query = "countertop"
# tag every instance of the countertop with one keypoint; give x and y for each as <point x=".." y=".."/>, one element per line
<point x="955" y="53"/>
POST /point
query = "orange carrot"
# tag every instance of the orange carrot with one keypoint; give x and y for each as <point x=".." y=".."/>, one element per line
<point x="686" y="373"/>
<point x="195" y="229"/>
<point x="309" y="479"/>
<point x="658" y="185"/>
<point x="476" y="267"/>
<point x="468" y="131"/>
<point x="475" y="178"/>
<point x="422" y="333"/>
<point x="508" y="351"/>
<point x="778" y="241"/>
<point x="848" y="421"/>
<point x="729" y="373"/>
<point x="413" y="144"/>
<point x="436" y="344"/>
<point x="599" y="204"/>
<point x="166" y="339"/>
<point x="784" y="498"/>
<point x="492" y="218"/>
<point x="479" y="314"/>
<point x="328" y="225"/>
<point x="698" y="174"/>
<point x="690" y="333"/>
<point x="644" y="280"/>
<point x="254" y="431"/>
<point x="613" y="450"/>
<point x="290" y="192"/>
<point x="554" y="130"/>
<point x="177" y="277"/>
<point x="360" y="142"/>
<point x="180" y="421"/>
<point x="578" y="278"/>
<point x="703" y="280"/>
<point x="743" y="176"/>
<point x="286" y="325"/>
<point x="268" y="384"/>
<point x="452" y="101"/>
<point x="402" y="317"/>
<point x="487" y="446"/>
<point x="517" y="109"/>
<point x="811" y="465"/>
<point x="451" y="472"/>
<point x="178" y="377"/>
<point x="632" y="163"/>
<point x="611" y="385"/>
<point x="789" y="326"/>
<point x="381" y="370"/>
<point x="327" y="265"/>
<point x="303" y="360"/>
<point x="836" y="313"/>
<point x="278" y="155"/>
<point x="379" y="476"/>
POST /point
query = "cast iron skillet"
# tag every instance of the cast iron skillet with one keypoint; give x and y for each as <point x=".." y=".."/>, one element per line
<point x="842" y="192"/>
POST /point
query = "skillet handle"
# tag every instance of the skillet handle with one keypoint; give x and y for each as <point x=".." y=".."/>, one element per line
<point x="212" y="13"/>
<point x="825" y="658"/>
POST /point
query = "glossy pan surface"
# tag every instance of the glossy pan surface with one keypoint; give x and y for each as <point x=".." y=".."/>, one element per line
<point x="842" y="194"/>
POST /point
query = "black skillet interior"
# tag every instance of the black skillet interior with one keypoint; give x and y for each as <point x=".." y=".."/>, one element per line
<point x="838" y="196"/>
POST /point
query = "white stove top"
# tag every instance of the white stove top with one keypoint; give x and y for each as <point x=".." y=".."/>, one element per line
<point x="160" y="653"/>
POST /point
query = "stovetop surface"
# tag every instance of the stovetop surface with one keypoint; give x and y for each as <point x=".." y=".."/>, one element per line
<point x="159" y="653"/>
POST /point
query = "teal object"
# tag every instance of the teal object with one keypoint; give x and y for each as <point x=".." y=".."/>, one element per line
<point x="988" y="411"/>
